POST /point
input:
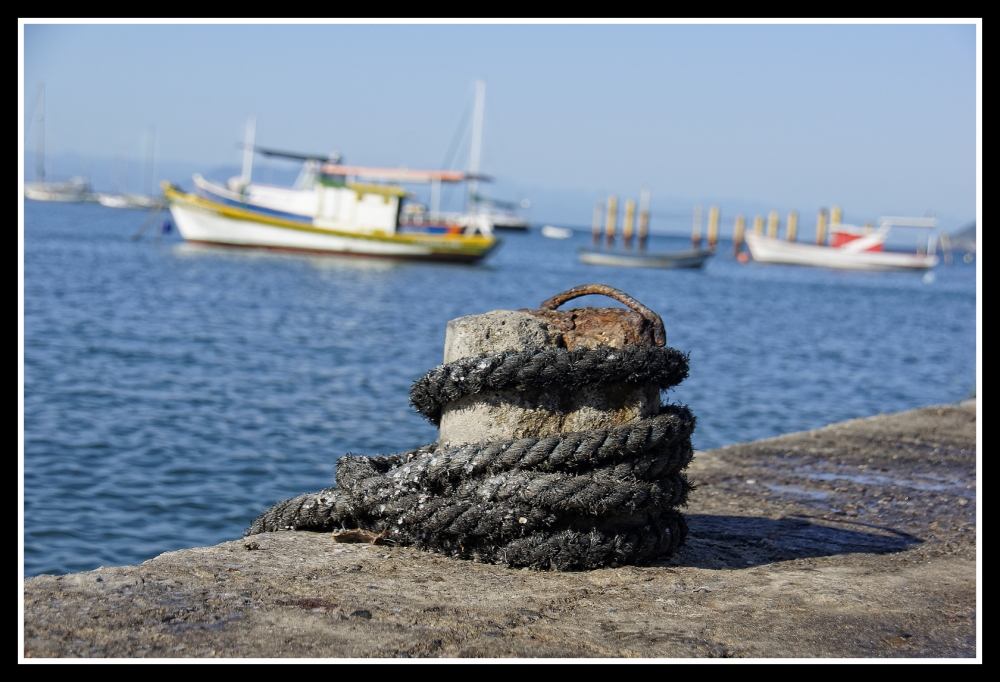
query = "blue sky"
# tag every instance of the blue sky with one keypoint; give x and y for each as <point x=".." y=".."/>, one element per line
<point x="880" y="119"/>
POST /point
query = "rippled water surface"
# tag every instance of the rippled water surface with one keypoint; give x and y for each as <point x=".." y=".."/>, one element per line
<point x="172" y="393"/>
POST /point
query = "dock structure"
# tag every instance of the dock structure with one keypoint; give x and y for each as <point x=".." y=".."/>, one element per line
<point x="824" y="543"/>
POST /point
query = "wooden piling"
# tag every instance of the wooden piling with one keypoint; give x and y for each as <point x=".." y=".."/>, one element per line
<point x="738" y="228"/>
<point x="713" y="228"/>
<point x="758" y="224"/>
<point x="696" y="228"/>
<point x="821" y="227"/>
<point x="595" y="229"/>
<point x="609" y="223"/>
<point x="793" y="226"/>
<point x="772" y="224"/>
<point x="643" y="218"/>
<point x="834" y="216"/>
<point x="629" y="222"/>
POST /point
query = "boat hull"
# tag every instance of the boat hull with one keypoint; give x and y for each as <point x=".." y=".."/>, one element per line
<point x="55" y="193"/>
<point x="770" y="250"/>
<point x="202" y="221"/>
<point x="640" y="259"/>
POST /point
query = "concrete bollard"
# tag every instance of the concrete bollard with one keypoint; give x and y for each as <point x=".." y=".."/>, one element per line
<point x="504" y="415"/>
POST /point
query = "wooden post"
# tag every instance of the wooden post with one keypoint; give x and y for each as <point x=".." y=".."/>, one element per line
<point x="758" y="224"/>
<point x="643" y="218"/>
<point x="609" y="224"/>
<point x="834" y="216"/>
<point x="821" y="227"/>
<point x="738" y="234"/>
<point x="946" y="248"/>
<point x="868" y="228"/>
<point x="595" y="230"/>
<point x="629" y="221"/>
<point x="793" y="225"/>
<point x="713" y="228"/>
<point x="772" y="224"/>
<point x="696" y="228"/>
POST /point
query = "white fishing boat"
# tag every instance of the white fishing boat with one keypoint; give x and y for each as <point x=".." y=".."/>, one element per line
<point x="328" y="211"/>
<point x="851" y="248"/>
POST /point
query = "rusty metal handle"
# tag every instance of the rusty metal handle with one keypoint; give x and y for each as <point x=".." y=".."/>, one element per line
<point x="659" y="333"/>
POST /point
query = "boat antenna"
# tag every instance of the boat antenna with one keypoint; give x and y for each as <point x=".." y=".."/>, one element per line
<point x="477" y="140"/>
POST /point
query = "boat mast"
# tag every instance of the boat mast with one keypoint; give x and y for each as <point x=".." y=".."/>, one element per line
<point x="148" y="179"/>
<point x="248" y="150"/>
<point x="477" y="140"/>
<point x="40" y="146"/>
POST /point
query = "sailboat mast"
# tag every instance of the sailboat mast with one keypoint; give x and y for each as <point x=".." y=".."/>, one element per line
<point x="40" y="146"/>
<point x="248" y="150"/>
<point x="477" y="139"/>
<point x="148" y="179"/>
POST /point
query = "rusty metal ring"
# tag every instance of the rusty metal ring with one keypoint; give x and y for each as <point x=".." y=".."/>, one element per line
<point x="659" y="333"/>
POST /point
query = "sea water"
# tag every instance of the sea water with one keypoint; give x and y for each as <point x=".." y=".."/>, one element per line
<point x="173" y="392"/>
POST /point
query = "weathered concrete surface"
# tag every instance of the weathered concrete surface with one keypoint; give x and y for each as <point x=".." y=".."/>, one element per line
<point x="856" y="540"/>
<point x="506" y="415"/>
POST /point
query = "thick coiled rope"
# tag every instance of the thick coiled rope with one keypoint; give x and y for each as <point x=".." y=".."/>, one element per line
<point x="567" y="501"/>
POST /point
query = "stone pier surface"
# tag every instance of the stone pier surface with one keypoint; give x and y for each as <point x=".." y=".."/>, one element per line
<point x="854" y="540"/>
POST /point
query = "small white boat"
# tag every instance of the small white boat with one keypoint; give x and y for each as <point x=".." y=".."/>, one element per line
<point x="694" y="258"/>
<point x="852" y="248"/>
<point x="553" y="232"/>
<point x="76" y="190"/>
<point x="112" y="200"/>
